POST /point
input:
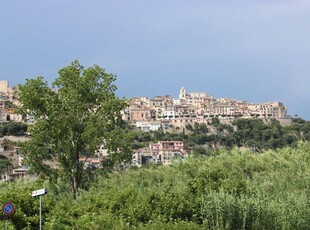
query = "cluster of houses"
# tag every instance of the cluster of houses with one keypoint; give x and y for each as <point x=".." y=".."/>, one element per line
<point x="163" y="153"/>
<point x="151" y="113"/>
<point x="16" y="169"/>
<point x="162" y="112"/>
<point x="8" y="104"/>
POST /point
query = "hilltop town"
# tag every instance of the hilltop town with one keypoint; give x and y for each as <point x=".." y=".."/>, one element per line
<point x="161" y="113"/>
<point x="164" y="112"/>
<point x="190" y="107"/>
<point x="152" y="113"/>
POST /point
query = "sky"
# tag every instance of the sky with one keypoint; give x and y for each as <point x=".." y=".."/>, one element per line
<point x="253" y="50"/>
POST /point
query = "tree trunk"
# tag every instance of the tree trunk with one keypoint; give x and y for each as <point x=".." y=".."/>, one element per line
<point x="75" y="176"/>
<point x="74" y="186"/>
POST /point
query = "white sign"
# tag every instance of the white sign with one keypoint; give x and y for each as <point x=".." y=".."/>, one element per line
<point x="39" y="192"/>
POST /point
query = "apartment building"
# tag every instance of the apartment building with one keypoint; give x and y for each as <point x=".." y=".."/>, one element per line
<point x="168" y="112"/>
<point x="268" y="110"/>
<point x="170" y="150"/>
<point x="160" y="101"/>
<point x="163" y="152"/>
<point x="142" y="156"/>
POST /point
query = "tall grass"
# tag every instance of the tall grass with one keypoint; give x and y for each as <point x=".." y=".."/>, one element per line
<point x="235" y="190"/>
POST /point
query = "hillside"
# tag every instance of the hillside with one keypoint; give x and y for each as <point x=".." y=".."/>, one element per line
<point x="234" y="190"/>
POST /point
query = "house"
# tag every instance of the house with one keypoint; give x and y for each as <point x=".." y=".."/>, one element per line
<point x="139" y="114"/>
<point x="170" y="150"/>
<point x="90" y="162"/>
<point x="148" y="125"/>
<point x="163" y="152"/>
<point x="14" y="175"/>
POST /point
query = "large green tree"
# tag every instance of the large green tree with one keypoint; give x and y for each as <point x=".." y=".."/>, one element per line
<point x="73" y="117"/>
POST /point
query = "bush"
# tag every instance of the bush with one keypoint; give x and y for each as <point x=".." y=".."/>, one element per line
<point x="232" y="190"/>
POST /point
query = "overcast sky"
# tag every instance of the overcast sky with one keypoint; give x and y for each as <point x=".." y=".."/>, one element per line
<point x="254" y="50"/>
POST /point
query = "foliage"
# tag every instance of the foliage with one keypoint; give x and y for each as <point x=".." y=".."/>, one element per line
<point x="233" y="190"/>
<point x="73" y="118"/>
<point x="26" y="215"/>
<point x="4" y="163"/>
<point x="9" y="104"/>
<point x="255" y="134"/>
<point x="13" y="128"/>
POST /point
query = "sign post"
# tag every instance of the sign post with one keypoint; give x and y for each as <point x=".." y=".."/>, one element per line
<point x="39" y="193"/>
<point x="7" y="209"/>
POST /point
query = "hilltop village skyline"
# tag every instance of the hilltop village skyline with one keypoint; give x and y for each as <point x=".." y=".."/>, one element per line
<point x="200" y="105"/>
<point x="166" y="114"/>
<point x="190" y="108"/>
<point x="196" y="106"/>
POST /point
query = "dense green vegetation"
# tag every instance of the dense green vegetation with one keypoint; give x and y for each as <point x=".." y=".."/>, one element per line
<point x="4" y="164"/>
<point x="13" y="128"/>
<point x="232" y="190"/>
<point x="220" y="185"/>
<point x="73" y="118"/>
<point x="251" y="133"/>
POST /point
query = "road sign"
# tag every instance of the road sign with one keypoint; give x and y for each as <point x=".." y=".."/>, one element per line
<point x="39" y="192"/>
<point x="7" y="208"/>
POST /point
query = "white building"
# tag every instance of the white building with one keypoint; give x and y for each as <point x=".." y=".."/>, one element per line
<point x="148" y="126"/>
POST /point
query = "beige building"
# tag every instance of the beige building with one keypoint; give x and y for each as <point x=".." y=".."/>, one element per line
<point x="192" y="98"/>
<point x="4" y="86"/>
<point x="12" y="116"/>
<point x="163" y="152"/>
<point x="268" y="110"/>
<point x="170" y="150"/>
<point x="148" y="125"/>
<point x="6" y="92"/>
<point x="139" y="114"/>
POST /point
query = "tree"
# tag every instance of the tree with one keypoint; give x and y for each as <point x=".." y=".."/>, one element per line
<point x="215" y="121"/>
<point x="14" y="128"/>
<point x="4" y="164"/>
<point x="74" y="117"/>
<point x="200" y="151"/>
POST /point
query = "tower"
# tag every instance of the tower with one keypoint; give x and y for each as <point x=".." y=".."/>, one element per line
<point x="182" y="93"/>
<point x="4" y="85"/>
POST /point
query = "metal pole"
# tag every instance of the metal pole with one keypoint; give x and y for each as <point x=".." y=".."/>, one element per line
<point x="40" y="213"/>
